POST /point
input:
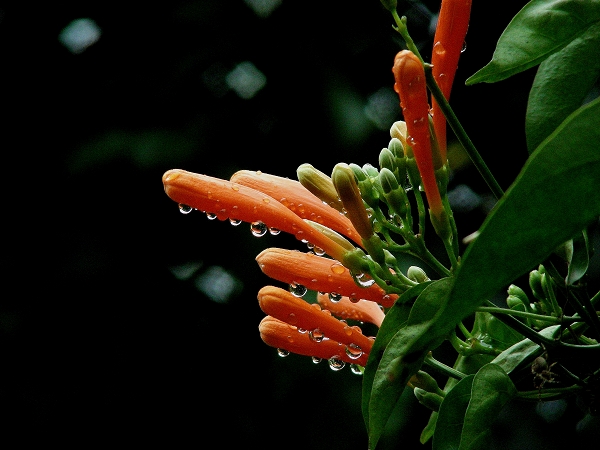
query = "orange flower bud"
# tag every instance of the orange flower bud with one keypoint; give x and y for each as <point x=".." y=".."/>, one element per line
<point x="448" y="43"/>
<point x="281" y="335"/>
<point x="346" y="309"/>
<point x="297" y="198"/>
<point x="412" y="89"/>
<point x="318" y="273"/>
<point x="283" y="305"/>
<point x="235" y="201"/>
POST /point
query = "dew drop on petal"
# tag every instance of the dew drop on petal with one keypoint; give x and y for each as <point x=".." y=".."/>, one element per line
<point x="316" y="360"/>
<point x="235" y="222"/>
<point x="283" y="352"/>
<point x="185" y="209"/>
<point x="211" y="216"/>
<point x="336" y="363"/>
<point x="316" y="335"/>
<point x="298" y="290"/>
<point x="258" y="228"/>
<point x="337" y="268"/>
<point x="274" y="231"/>
<point x="334" y="297"/>
<point x="353" y="351"/>
<point x="292" y="319"/>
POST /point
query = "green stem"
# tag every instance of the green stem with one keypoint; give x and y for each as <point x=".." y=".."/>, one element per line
<point x="527" y="315"/>
<point x="443" y="368"/>
<point x="461" y="135"/>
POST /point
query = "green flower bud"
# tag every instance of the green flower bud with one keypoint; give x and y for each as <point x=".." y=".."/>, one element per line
<point x="345" y="184"/>
<point x="320" y="185"/>
<point x="417" y="274"/>
<point x="535" y="283"/>
<point x="428" y="399"/>
<point x="394" y="194"/>
<point x="424" y="381"/>
<point x="370" y="170"/>
<point x="387" y="160"/>
<point x="518" y="293"/>
<point x="395" y="146"/>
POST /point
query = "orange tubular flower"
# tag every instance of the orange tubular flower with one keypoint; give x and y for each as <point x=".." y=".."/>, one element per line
<point x="412" y="89"/>
<point x="281" y="335"/>
<point x="319" y="274"/>
<point x="346" y="309"/>
<point x="319" y="323"/>
<point x="298" y="199"/>
<point x="448" y="42"/>
<point x="235" y="201"/>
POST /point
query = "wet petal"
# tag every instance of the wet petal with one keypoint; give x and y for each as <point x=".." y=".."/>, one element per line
<point x="281" y="335"/>
<point x="235" y="201"/>
<point x="298" y="199"/>
<point x="346" y="309"/>
<point x="284" y="306"/>
<point x="318" y="273"/>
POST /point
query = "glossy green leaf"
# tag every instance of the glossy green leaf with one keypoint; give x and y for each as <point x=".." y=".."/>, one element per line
<point x="451" y="416"/>
<point x="580" y="259"/>
<point x="541" y="28"/>
<point x="561" y="85"/>
<point x="554" y="197"/>
<point x="491" y="390"/>
<point x="395" y="319"/>
<point x="403" y="356"/>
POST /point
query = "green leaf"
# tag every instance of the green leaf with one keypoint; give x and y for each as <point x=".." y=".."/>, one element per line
<point x="404" y="356"/>
<point x="395" y="319"/>
<point x="561" y="85"/>
<point x="451" y="415"/>
<point x="554" y="197"/>
<point x="580" y="259"/>
<point x="540" y="29"/>
<point x="491" y="390"/>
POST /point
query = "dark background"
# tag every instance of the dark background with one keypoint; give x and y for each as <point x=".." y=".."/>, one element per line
<point x="103" y="336"/>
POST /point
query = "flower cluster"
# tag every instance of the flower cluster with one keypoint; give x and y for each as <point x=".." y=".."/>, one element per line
<point x="351" y="221"/>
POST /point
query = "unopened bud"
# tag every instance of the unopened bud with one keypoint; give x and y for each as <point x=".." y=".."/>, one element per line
<point x="319" y="184"/>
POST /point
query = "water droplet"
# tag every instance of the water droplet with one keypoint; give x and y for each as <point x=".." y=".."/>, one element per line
<point x="353" y="351"/>
<point x="292" y="319"/>
<point x="318" y="251"/>
<point x="258" y="229"/>
<point x="366" y="281"/>
<point x="316" y="335"/>
<point x="274" y="231"/>
<point x="464" y="47"/>
<point x="185" y="209"/>
<point x="211" y="216"/>
<point x="316" y="360"/>
<point x="337" y="268"/>
<point x="283" y="352"/>
<point x="356" y="369"/>
<point x="438" y="48"/>
<point x="235" y="222"/>
<point x="334" y="297"/>
<point x="298" y="290"/>
<point x="336" y="363"/>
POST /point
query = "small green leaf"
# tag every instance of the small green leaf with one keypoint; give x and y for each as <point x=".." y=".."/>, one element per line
<point x="561" y="85"/>
<point x="451" y="416"/>
<point x="540" y="29"/>
<point x="580" y="259"/>
<point x="404" y="356"/>
<point x="395" y="319"/>
<point x="491" y="390"/>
